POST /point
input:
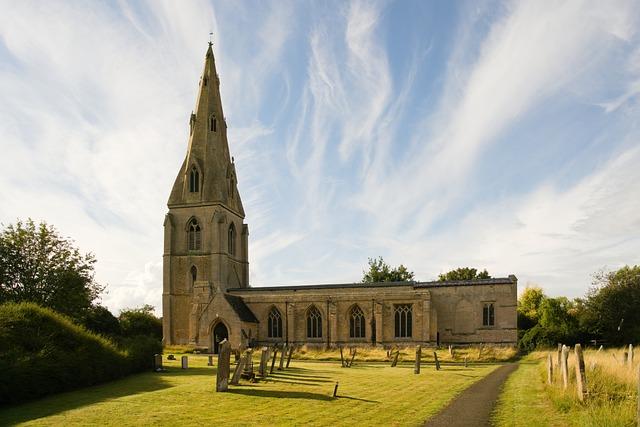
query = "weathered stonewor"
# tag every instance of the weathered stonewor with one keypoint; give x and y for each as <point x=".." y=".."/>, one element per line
<point x="235" y="380"/>
<point x="416" y="369"/>
<point x="581" y="379"/>
<point x="564" y="366"/>
<point x="222" y="375"/>
<point x="210" y="362"/>
<point x="184" y="361"/>
<point x="549" y="369"/>
<point x="283" y="354"/>
<point x="273" y="361"/>
<point x="247" y="371"/>
<point x="157" y="362"/>
<point x="289" y="355"/>
<point x="435" y="357"/>
<point x="395" y="356"/>
<point x="264" y="359"/>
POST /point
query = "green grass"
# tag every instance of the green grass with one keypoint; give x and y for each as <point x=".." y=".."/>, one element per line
<point x="368" y="393"/>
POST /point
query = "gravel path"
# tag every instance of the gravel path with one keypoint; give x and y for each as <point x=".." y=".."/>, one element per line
<point x="473" y="406"/>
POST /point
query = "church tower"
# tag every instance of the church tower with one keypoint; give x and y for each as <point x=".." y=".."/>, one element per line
<point x="205" y="237"/>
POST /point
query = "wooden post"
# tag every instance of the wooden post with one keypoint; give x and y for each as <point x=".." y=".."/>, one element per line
<point x="581" y="380"/>
<point x="416" y="370"/>
<point x="289" y="356"/>
<point x="550" y="369"/>
<point x="435" y="356"/>
<point x="273" y="361"/>
<point x="564" y="366"/>
<point x="341" y="357"/>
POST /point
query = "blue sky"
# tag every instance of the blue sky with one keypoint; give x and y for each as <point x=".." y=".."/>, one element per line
<point x="500" y="135"/>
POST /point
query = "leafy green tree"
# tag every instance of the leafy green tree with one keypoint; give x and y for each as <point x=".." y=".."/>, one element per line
<point x="39" y="265"/>
<point x="100" y="320"/>
<point x="380" y="271"/>
<point x="529" y="307"/>
<point x="610" y="311"/>
<point x="140" y="321"/>
<point x="464" y="273"/>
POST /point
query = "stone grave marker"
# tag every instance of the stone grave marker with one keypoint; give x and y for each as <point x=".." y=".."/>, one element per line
<point x="273" y="361"/>
<point x="247" y="371"/>
<point x="283" y="354"/>
<point x="581" y="379"/>
<point x="559" y="357"/>
<point x="157" y="362"/>
<point x="435" y="357"/>
<point x="465" y="361"/>
<point x="416" y="369"/>
<point x="210" y="362"/>
<point x="341" y="357"/>
<point x="235" y="380"/>
<point x="353" y="356"/>
<point x="184" y="361"/>
<point x="289" y="355"/>
<point x="564" y="366"/>
<point x="394" y="362"/>
<point x="264" y="359"/>
<point x="222" y="375"/>
<point x="550" y="369"/>
<point x="630" y="357"/>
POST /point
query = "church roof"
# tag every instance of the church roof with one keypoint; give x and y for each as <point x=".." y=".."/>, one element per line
<point x="244" y="313"/>
<point x="434" y="284"/>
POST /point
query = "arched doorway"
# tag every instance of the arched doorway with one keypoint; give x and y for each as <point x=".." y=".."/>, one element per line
<point x="220" y="333"/>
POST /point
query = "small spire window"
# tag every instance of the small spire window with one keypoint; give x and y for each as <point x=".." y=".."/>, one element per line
<point x="194" y="180"/>
<point x="195" y="238"/>
<point x="213" y="124"/>
<point x="232" y="239"/>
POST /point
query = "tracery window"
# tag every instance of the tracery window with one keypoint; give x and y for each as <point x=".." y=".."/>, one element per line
<point x="232" y="239"/>
<point x="356" y="322"/>
<point x="213" y="124"/>
<point x="274" y="324"/>
<point x="195" y="240"/>
<point x="403" y="321"/>
<point x="314" y="323"/>
<point x="488" y="314"/>
<point x="194" y="180"/>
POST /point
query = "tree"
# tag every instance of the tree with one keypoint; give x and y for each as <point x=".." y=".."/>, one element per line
<point x="463" y="273"/>
<point x="38" y="265"/>
<point x="99" y="319"/>
<point x="529" y="307"/>
<point x="140" y="321"/>
<point x="380" y="271"/>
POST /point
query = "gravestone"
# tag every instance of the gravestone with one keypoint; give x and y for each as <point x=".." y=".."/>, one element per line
<point x="247" y="371"/>
<point x="184" y="360"/>
<point x="630" y="357"/>
<point x="264" y="359"/>
<point x="235" y="380"/>
<point x="600" y="349"/>
<point x="435" y="357"/>
<point x="550" y="369"/>
<point x="157" y="362"/>
<point x="465" y="361"/>
<point x="341" y="357"/>
<point x="290" y="354"/>
<point x="564" y="366"/>
<point x="210" y="363"/>
<point x="416" y="369"/>
<point x="353" y="356"/>
<point x="273" y="361"/>
<point x="451" y="351"/>
<point x="283" y="353"/>
<point x="581" y="379"/>
<point x="222" y="374"/>
<point x="394" y="362"/>
<point x="559" y="357"/>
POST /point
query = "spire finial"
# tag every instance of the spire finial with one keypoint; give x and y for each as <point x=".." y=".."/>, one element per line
<point x="210" y="38"/>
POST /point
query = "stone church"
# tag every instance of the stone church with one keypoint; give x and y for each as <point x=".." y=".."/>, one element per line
<point x="206" y="291"/>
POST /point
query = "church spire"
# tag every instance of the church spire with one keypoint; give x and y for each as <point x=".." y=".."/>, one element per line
<point x="208" y="173"/>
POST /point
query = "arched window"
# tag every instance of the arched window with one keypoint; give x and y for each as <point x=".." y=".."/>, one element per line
<point x="195" y="241"/>
<point x="194" y="275"/>
<point x="232" y="239"/>
<point x="213" y="124"/>
<point x="403" y="320"/>
<point x="488" y="315"/>
<point x="274" y="324"/>
<point x="314" y="323"/>
<point x="356" y="322"/>
<point x="194" y="180"/>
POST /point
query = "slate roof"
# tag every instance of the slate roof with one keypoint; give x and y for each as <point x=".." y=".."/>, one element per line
<point x="244" y="313"/>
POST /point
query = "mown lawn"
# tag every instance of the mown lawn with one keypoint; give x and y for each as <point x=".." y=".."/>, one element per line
<point x="369" y="394"/>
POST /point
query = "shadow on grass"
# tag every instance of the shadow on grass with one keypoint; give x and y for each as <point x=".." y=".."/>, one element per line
<point x="55" y="404"/>
<point x="281" y="394"/>
<point x="358" y="399"/>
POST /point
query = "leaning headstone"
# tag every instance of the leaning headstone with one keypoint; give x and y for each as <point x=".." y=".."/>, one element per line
<point x="210" y="363"/>
<point x="600" y="349"/>
<point x="550" y="369"/>
<point x="416" y="369"/>
<point x="581" y="379"/>
<point x="283" y="353"/>
<point x="273" y="361"/>
<point x="184" y="360"/>
<point x="157" y="362"/>
<point x="564" y="367"/>
<point x="353" y="356"/>
<point x="630" y="358"/>
<point x="394" y="362"/>
<point x="264" y="359"/>
<point x="435" y="357"/>
<point x="289" y="355"/>
<point x="222" y="375"/>
<point x="235" y="379"/>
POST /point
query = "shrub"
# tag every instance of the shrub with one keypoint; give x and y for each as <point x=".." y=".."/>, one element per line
<point x="140" y="321"/>
<point x="44" y="352"/>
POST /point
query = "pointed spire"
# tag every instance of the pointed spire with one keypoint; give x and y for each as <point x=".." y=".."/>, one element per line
<point x="208" y="150"/>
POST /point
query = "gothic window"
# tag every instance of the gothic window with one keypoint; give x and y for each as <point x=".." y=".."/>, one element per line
<point x="232" y="239"/>
<point x="274" y="324"/>
<point x="488" y="315"/>
<point x="213" y="124"/>
<point x="314" y="323"/>
<point x="403" y="321"/>
<point x="194" y="180"/>
<point x="195" y="240"/>
<point x="194" y="275"/>
<point x="356" y="322"/>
